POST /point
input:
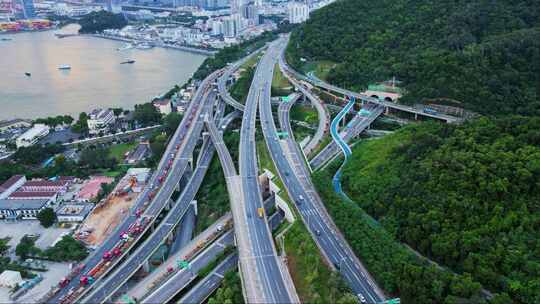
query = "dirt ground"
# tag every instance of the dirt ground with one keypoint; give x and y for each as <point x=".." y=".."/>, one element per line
<point x="104" y="219"/>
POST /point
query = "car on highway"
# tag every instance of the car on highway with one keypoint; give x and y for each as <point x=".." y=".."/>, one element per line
<point x="361" y="298"/>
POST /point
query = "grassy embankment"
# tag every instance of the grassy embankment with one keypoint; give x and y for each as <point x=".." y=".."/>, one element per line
<point x="239" y="90"/>
<point x="321" y="69"/>
<point x="212" y="197"/>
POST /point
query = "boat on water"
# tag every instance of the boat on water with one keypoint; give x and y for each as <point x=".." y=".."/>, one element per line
<point x="64" y="35"/>
<point x="128" y="61"/>
<point x="27" y="74"/>
<point x="64" y="67"/>
<point x="126" y="46"/>
<point x="144" y="46"/>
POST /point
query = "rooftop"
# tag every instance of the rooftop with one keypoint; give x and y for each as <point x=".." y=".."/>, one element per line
<point x="18" y="204"/>
<point x="7" y="123"/>
<point x="100" y="113"/>
<point x="74" y="209"/>
<point x="162" y="102"/>
<point x="36" y="130"/>
<point x="31" y="194"/>
<point x="10" y="182"/>
<point x="46" y="183"/>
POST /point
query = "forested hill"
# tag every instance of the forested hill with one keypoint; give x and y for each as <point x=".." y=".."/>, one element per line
<point x="466" y="196"/>
<point x="482" y="54"/>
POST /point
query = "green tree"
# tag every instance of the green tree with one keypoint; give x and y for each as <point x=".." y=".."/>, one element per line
<point x="47" y="217"/>
<point x="81" y="126"/>
<point x="99" y="21"/>
<point x="440" y="50"/>
<point x="171" y="122"/>
<point x="117" y="111"/>
<point x="146" y="114"/>
<point x="4" y="247"/>
<point x="26" y="248"/>
<point x="67" y="249"/>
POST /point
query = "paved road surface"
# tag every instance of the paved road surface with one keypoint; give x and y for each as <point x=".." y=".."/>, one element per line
<point x="272" y="282"/>
<point x="289" y="162"/>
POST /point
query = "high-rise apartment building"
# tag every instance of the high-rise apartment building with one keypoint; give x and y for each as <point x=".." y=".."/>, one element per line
<point x="298" y="12"/>
<point x="28" y="9"/>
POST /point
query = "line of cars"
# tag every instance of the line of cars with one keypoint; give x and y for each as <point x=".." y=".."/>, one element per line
<point x="128" y="237"/>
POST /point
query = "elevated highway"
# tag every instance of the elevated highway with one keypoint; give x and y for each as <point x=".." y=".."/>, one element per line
<point x="153" y="199"/>
<point x="291" y="168"/>
<point x="202" y="290"/>
<point x="364" y="98"/>
<point x="260" y="265"/>
<point x="104" y="289"/>
<point x="222" y="81"/>
<point x="324" y="116"/>
<point x="356" y="126"/>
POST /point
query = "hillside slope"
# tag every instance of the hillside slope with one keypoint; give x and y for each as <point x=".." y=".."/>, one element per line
<point x="467" y="197"/>
<point x="484" y="55"/>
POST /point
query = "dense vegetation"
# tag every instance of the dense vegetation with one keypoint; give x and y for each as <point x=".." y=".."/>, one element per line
<point x="99" y="21"/>
<point x="67" y="249"/>
<point x="35" y="155"/>
<point x="81" y="125"/>
<point x="230" y="291"/>
<point x="54" y="121"/>
<point x="146" y="114"/>
<point x="240" y="89"/>
<point x="397" y="270"/>
<point x="482" y="54"/>
<point x="466" y="196"/>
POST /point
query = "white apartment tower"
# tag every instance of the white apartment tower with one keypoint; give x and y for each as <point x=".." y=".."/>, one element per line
<point x="298" y="12"/>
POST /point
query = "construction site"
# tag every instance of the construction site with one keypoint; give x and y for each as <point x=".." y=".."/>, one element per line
<point x="110" y="211"/>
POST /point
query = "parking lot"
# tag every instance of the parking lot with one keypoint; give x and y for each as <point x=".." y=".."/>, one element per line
<point x="16" y="230"/>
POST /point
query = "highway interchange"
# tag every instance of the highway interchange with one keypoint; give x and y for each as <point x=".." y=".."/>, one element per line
<point x="303" y="194"/>
<point x="264" y="275"/>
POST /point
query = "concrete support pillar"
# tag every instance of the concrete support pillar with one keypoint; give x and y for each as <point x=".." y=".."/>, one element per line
<point x="205" y="138"/>
<point x="190" y="162"/>
<point x="146" y="266"/>
<point x="415" y="116"/>
<point x="387" y="110"/>
<point x="194" y="203"/>
<point x="170" y="238"/>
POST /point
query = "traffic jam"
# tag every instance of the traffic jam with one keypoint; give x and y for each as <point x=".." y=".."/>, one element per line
<point x="128" y="237"/>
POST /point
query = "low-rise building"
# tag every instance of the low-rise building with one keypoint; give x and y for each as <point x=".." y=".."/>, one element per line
<point x="14" y="124"/>
<point x="163" y="106"/>
<point x="22" y="199"/>
<point x="10" y="278"/>
<point x="11" y="185"/>
<point x="32" y="136"/>
<point x="100" y="120"/>
<point x="26" y="209"/>
<point x="73" y="212"/>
